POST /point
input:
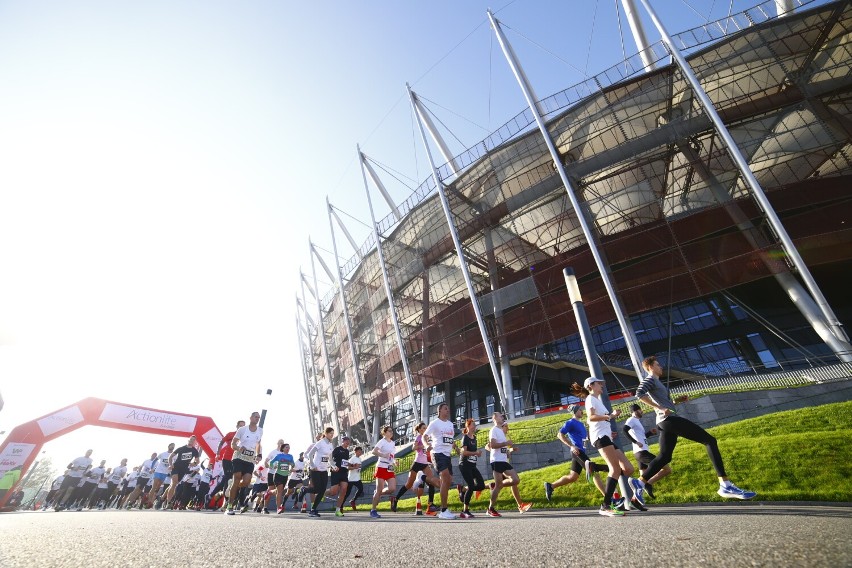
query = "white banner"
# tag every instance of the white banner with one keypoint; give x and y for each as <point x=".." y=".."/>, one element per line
<point x="147" y="418"/>
<point x="213" y="437"/>
<point x="61" y="420"/>
<point x="14" y="455"/>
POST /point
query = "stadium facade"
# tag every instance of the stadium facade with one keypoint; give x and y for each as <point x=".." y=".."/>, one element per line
<point x="696" y="267"/>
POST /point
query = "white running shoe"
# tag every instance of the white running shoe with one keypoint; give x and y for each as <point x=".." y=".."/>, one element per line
<point x="446" y="515"/>
<point x="734" y="492"/>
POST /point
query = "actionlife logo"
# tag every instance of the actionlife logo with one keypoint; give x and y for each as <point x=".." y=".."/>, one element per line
<point x="160" y="420"/>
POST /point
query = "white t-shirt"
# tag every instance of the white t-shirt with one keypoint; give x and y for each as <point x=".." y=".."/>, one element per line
<point x="386" y="447"/>
<point x="131" y="479"/>
<point x="498" y="454"/>
<point x="205" y="476"/>
<point x="637" y="431"/>
<point x="117" y="474"/>
<point x="354" y="474"/>
<point x="298" y="470"/>
<point x="163" y="463"/>
<point x="78" y="466"/>
<point x="441" y="435"/>
<point x="247" y="443"/>
<point x="94" y="475"/>
<point x="148" y="468"/>
<point x="322" y="455"/>
<point x="57" y="483"/>
<point x="599" y="428"/>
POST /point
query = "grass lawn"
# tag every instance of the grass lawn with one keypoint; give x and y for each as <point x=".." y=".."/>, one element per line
<point x="795" y="455"/>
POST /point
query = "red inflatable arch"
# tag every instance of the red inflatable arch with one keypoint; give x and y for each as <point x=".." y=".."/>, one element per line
<point x="24" y="442"/>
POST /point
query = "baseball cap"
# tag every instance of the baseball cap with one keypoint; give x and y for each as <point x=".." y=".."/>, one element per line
<point x="591" y="380"/>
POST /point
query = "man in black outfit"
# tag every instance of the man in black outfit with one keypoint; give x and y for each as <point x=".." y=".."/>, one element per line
<point x="180" y="460"/>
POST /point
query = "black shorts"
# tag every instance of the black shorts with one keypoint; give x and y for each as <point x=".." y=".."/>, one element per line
<point x="242" y="467"/>
<point x="644" y="458"/>
<point x="145" y="487"/>
<point x="338" y="477"/>
<point x="603" y="442"/>
<point x="279" y="479"/>
<point x="179" y="472"/>
<point x="578" y="463"/>
<point x="442" y="462"/>
<point x="293" y="483"/>
<point x="69" y="482"/>
<point x="418" y="467"/>
<point x="501" y="467"/>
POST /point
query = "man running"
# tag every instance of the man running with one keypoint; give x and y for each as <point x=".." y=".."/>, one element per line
<point x="146" y="470"/>
<point x="573" y="434"/>
<point x="504" y="474"/>
<point x="654" y="393"/>
<point x="319" y="455"/>
<point x="180" y="461"/>
<point x="76" y="469"/>
<point x="246" y="445"/>
<point x="340" y="473"/>
<point x="162" y="472"/>
<point x="440" y="435"/>
<point x="354" y="478"/>
<point x="634" y="430"/>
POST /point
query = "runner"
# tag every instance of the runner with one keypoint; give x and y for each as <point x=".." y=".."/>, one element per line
<point x="88" y="486"/>
<point x="128" y="484"/>
<point x="205" y="477"/>
<point x="384" y="450"/>
<point x="54" y="491"/>
<point x="599" y="433"/>
<point x="246" y="445"/>
<point x="112" y="479"/>
<point x="161" y="473"/>
<point x="440" y="437"/>
<point x="280" y="466"/>
<point x="467" y="464"/>
<point x="318" y="454"/>
<point x="652" y="392"/>
<point x="296" y="478"/>
<point x="421" y="463"/>
<point x="258" y="488"/>
<point x="225" y="457"/>
<point x="76" y="469"/>
<point x="146" y="470"/>
<point x="634" y="430"/>
<point x="500" y="446"/>
<point x="573" y="434"/>
<point x="340" y="473"/>
<point x="354" y="480"/>
<point x="180" y="461"/>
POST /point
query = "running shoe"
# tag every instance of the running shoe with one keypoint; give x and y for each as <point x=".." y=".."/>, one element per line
<point x="244" y="509"/>
<point x="636" y="505"/>
<point x="352" y="504"/>
<point x="265" y="511"/>
<point x="375" y="514"/>
<point x="280" y="510"/>
<point x="649" y="491"/>
<point x="638" y="489"/>
<point x="463" y="515"/>
<point x="313" y="513"/>
<point x="446" y="515"/>
<point x="589" y="471"/>
<point x="620" y="505"/>
<point x="734" y="492"/>
<point x="338" y="513"/>
<point x="393" y="504"/>
<point x="432" y="510"/>
<point x="492" y="512"/>
<point x="470" y="515"/>
<point x="524" y="507"/>
<point x="548" y="491"/>
<point x="610" y="512"/>
<point x="230" y="511"/>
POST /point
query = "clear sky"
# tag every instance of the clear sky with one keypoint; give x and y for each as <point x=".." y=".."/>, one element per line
<point x="162" y="165"/>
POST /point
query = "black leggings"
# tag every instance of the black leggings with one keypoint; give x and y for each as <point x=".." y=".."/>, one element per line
<point x="319" y="481"/>
<point x="354" y="485"/>
<point x="671" y="429"/>
<point x="474" y="481"/>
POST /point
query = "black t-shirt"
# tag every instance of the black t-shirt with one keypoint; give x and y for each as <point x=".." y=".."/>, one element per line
<point x="338" y="455"/>
<point x="183" y="456"/>
<point x="469" y="444"/>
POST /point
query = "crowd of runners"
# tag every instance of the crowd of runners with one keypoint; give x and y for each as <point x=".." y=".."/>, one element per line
<point x="242" y="479"/>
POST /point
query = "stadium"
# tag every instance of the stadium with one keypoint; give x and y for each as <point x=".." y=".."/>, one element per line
<point x="696" y="269"/>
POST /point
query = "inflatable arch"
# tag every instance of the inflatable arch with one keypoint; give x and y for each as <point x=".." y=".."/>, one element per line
<point x="24" y="443"/>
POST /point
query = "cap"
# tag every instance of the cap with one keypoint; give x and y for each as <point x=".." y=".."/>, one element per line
<point x="591" y="380"/>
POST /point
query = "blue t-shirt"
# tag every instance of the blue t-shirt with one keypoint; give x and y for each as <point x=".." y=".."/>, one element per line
<point x="282" y="464"/>
<point x="575" y="431"/>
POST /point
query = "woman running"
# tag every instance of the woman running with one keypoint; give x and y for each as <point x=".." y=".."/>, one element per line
<point x="600" y="434"/>
<point x="421" y="463"/>
<point x="321" y="452"/>
<point x="469" y="457"/>
<point x="385" y="450"/>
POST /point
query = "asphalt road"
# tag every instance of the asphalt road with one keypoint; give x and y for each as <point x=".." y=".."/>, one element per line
<point x="731" y="534"/>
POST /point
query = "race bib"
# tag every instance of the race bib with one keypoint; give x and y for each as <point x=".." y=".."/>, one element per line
<point x="448" y="439"/>
<point x="247" y="453"/>
<point x="471" y="459"/>
<point x="344" y="463"/>
<point x="390" y="467"/>
<point x="504" y="450"/>
<point x="324" y="459"/>
<point x="283" y="468"/>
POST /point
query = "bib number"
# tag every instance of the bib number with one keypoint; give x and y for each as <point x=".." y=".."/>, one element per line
<point x="324" y="459"/>
<point x="504" y="450"/>
<point x="284" y="468"/>
<point x="247" y="453"/>
<point x="471" y="459"/>
<point x="448" y="439"/>
<point x="390" y="467"/>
